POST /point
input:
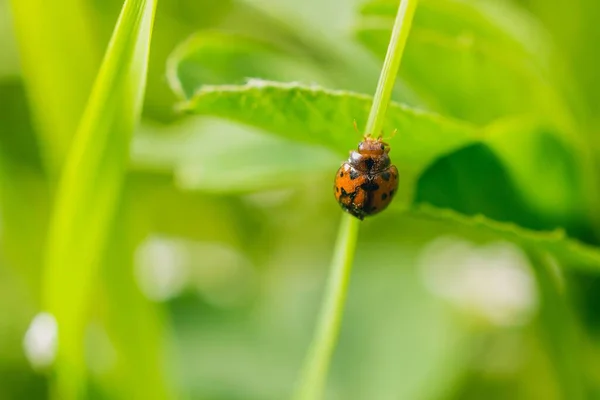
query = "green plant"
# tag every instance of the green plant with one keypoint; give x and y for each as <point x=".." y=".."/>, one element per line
<point x="227" y="183"/>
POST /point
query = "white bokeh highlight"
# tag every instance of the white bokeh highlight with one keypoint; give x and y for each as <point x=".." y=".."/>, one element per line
<point x="492" y="283"/>
<point x="41" y="340"/>
<point x="161" y="268"/>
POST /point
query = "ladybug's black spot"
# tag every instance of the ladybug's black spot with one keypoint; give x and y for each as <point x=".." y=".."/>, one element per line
<point x="385" y="175"/>
<point x="369" y="162"/>
<point x="341" y="174"/>
<point x="391" y="193"/>
<point x="354" y="174"/>
<point x="369" y="186"/>
<point x="384" y="196"/>
<point x="344" y="193"/>
<point x="337" y="188"/>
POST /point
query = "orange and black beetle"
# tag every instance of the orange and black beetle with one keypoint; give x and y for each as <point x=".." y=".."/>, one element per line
<point x="366" y="183"/>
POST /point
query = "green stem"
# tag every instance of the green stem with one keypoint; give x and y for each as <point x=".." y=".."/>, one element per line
<point x="391" y="65"/>
<point x="319" y="356"/>
<point x="314" y="374"/>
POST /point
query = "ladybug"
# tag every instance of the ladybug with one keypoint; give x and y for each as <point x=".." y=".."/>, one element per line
<point x="366" y="183"/>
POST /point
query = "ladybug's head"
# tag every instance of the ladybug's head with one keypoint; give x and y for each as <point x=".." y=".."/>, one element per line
<point x="373" y="147"/>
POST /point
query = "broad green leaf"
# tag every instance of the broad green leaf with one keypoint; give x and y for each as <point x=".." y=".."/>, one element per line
<point x="213" y="57"/>
<point x="324" y="117"/>
<point x="473" y="181"/>
<point x="492" y="66"/>
<point x="58" y="58"/>
<point x="435" y="155"/>
<point x="528" y="172"/>
<point x="89" y="189"/>
<point x="552" y="170"/>
<point x="495" y="189"/>
<point x="571" y="253"/>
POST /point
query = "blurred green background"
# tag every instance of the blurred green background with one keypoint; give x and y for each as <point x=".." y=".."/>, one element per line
<point x="217" y="258"/>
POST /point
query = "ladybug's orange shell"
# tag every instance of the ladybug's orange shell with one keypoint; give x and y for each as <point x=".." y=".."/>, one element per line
<point x="366" y="183"/>
<point x="363" y="194"/>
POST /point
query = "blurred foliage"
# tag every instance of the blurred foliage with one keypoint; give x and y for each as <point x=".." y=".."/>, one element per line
<point x="480" y="281"/>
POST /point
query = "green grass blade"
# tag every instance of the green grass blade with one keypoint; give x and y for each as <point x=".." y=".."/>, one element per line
<point x="314" y="374"/>
<point x="90" y="187"/>
<point x="391" y="65"/>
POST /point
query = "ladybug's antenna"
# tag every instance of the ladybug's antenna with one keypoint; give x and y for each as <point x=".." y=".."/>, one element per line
<point x="366" y="135"/>
<point x="389" y="137"/>
<point x="356" y="128"/>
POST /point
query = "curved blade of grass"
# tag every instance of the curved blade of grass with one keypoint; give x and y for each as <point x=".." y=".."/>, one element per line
<point x="59" y="58"/>
<point x="90" y="186"/>
<point x="314" y="374"/>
